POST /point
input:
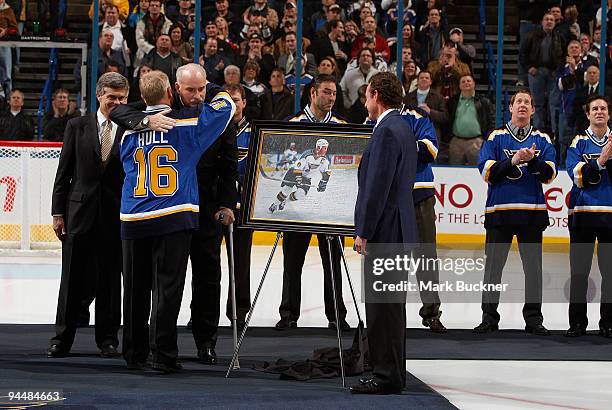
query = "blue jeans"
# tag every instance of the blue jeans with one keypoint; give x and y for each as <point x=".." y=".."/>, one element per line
<point x="542" y="85"/>
<point x="6" y="66"/>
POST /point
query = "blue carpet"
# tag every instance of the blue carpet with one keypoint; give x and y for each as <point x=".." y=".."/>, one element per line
<point x="88" y="381"/>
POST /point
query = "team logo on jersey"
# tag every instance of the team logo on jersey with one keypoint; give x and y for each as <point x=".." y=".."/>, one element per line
<point x="590" y="157"/>
<point x="218" y="104"/>
<point x="510" y="153"/>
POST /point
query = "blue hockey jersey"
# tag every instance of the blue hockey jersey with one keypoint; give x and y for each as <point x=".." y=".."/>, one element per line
<point x="160" y="189"/>
<point x="307" y="115"/>
<point x="590" y="204"/>
<point x="427" y="145"/>
<point x="515" y="195"/>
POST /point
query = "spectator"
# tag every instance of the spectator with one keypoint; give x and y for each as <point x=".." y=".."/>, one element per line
<point x="134" y="95"/>
<point x="471" y="120"/>
<point x="235" y="24"/>
<point x="279" y="44"/>
<point x="407" y="41"/>
<point x="332" y="44"/>
<point x="15" y="124"/>
<point x="179" y="46"/>
<point x="360" y="15"/>
<point x="430" y="101"/>
<point x="7" y="22"/>
<point x="149" y="29"/>
<point x="253" y="108"/>
<point x="596" y="45"/>
<point x="111" y="22"/>
<point x="249" y="78"/>
<point x="356" y="9"/>
<point x="254" y="52"/>
<point x="407" y="56"/>
<point x="369" y="32"/>
<point x="446" y="72"/>
<point x="108" y="54"/>
<point x="358" y="113"/>
<point x="585" y="43"/>
<point x="123" y="8"/>
<point x="223" y="47"/>
<point x="20" y="9"/>
<point x="432" y="37"/>
<point x="138" y="13"/>
<point x="466" y="52"/>
<point x="223" y="33"/>
<point x="589" y="89"/>
<point x="262" y="15"/>
<point x="291" y="78"/>
<point x="180" y="16"/>
<point x="410" y="74"/>
<point x="570" y="19"/>
<point x="570" y="78"/>
<point x="319" y="18"/>
<point x="277" y="100"/>
<point x="351" y="32"/>
<point x="391" y="17"/>
<point x="327" y="66"/>
<point x="54" y="121"/>
<point x="162" y="58"/>
<point x="542" y="53"/>
<point x="354" y="78"/>
<point x="288" y="61"/>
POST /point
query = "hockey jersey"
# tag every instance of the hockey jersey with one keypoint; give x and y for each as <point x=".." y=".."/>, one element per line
<point x="160" y="189"/>
<point x="515" y="195"/>
<point x="590" y="203"/>
<point x="306" y="115"/>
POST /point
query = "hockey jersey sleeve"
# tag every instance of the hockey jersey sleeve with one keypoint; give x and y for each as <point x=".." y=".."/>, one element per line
<point x="214" y="119"/>
<point x="491" y="166"/>
<point x="582" y="172"/>
<point x="427" y="140"/>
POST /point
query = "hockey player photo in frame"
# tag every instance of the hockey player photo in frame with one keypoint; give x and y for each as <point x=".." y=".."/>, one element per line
<point x="303" y="176"/>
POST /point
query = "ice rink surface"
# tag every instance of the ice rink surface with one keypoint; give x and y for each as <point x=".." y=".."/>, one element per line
<point x="29" y="287"/>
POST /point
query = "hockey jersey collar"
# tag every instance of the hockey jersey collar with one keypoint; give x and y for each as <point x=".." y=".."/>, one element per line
<point x="596" y="141"/>
<point x="243" y="124"/>
<point x="311" y="117"/>
<point x="514" y="131"/>
<point x="157" y="108"/>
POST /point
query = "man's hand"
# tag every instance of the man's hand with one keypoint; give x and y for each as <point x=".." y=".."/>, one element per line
<point x="225" y="216"/>
<point x="340" y="55"/>
<point x="360" y="245"/>
<point x="159" y="122"/>
<point x="220" y="66"/>
<point x="533" y="70"/>
<point x="59" y="228"/>
<point x="524" y="155"/>
<point x="606" y="154"/>
<point x="72" y="107"/>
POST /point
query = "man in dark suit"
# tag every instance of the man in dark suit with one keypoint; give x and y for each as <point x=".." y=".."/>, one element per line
<point x="384" y="214"/>
<point x="429" y="100"/>
<point x="85" y="208"/>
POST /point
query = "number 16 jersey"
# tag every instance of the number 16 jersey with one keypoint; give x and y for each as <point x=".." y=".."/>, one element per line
<point x="160" y="189"/>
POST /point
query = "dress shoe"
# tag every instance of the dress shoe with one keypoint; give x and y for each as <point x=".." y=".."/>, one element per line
<point x="538" y="330"/>
<point x="56" y="350"/>
<point x="576" y="330"/>
<point x="108" y="351"/>
<point x="486" y="327"/>
<point x="369" y="386"/>
<point x="207" y="355"/>
<point x="164" y="368"/>
<point x="605" y="331"/>
<point x="434" y="325"/>
<point x="344" y="326"/>
<point x="285" y="324"/>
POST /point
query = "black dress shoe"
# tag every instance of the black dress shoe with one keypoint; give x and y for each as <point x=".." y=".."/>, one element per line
<point x="56" y="350"/>
<point x="605" y="331"/>
<point x="434" y="325"/>
<point x="576" y="330"/>
<point x="538" y="330"/>
<point x="344" y="326"/>
<point x="207" y="355"/>
<point x="285" y="324"/>
<point x="369" y="386"/>
<point x="165" y="368"/>
<point x="109" y="351"/>
<point x="486" y="327"/>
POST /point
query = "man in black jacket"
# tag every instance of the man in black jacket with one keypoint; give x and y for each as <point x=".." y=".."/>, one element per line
<point x="471" y="119"/>
<point x="332" y="44"/>
<point x="217" y="174"/>
<point x="85" y="209"/>
<point x="15" y="124"/>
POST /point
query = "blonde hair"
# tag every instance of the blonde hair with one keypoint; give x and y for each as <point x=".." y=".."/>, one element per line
<point x="153" y="86"/>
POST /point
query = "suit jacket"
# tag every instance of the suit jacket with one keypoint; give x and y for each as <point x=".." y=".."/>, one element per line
<point x="438" y="111"/>
<point x="86" y="192"/>
<point x="384" y="212"/>
<point x="322" y="47"/>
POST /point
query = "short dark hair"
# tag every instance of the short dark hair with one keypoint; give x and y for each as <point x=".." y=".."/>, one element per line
<point x="523" y="90"/>
<point x="60" y="91"/>
<point x="277" y="70"/>
<point x="389" y="89"/>
<point x="367" y="50"/>
<point x="323" y="78"/>
<point x="331" y="25"/>
<point x="424" y="72"/>
<point x="232" y="88"/>
<point x="596" y="97"/>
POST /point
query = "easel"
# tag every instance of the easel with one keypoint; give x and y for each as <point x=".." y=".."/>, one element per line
<point x="329" y="239"/>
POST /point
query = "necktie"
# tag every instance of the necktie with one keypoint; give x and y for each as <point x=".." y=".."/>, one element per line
<point x="592" y="90"/>
<point x="106" y="144"/>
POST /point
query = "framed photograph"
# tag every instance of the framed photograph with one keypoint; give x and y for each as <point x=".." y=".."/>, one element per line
<point x="303" y="176"/>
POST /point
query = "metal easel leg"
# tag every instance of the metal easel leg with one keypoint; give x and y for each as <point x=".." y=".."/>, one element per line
<point x="330" y="238"/>
<point x="348" y="275"/>
<point x="279" y="235"/>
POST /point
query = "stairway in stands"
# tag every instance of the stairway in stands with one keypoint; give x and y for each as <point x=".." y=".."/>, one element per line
<point x="465" y="14"/>
<point x="34" y="62"/>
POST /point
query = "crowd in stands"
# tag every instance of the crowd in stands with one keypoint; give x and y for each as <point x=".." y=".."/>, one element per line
<point x="255" y="43"/>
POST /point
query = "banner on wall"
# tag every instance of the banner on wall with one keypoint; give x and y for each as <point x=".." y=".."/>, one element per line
<point x="461" y="194"/>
